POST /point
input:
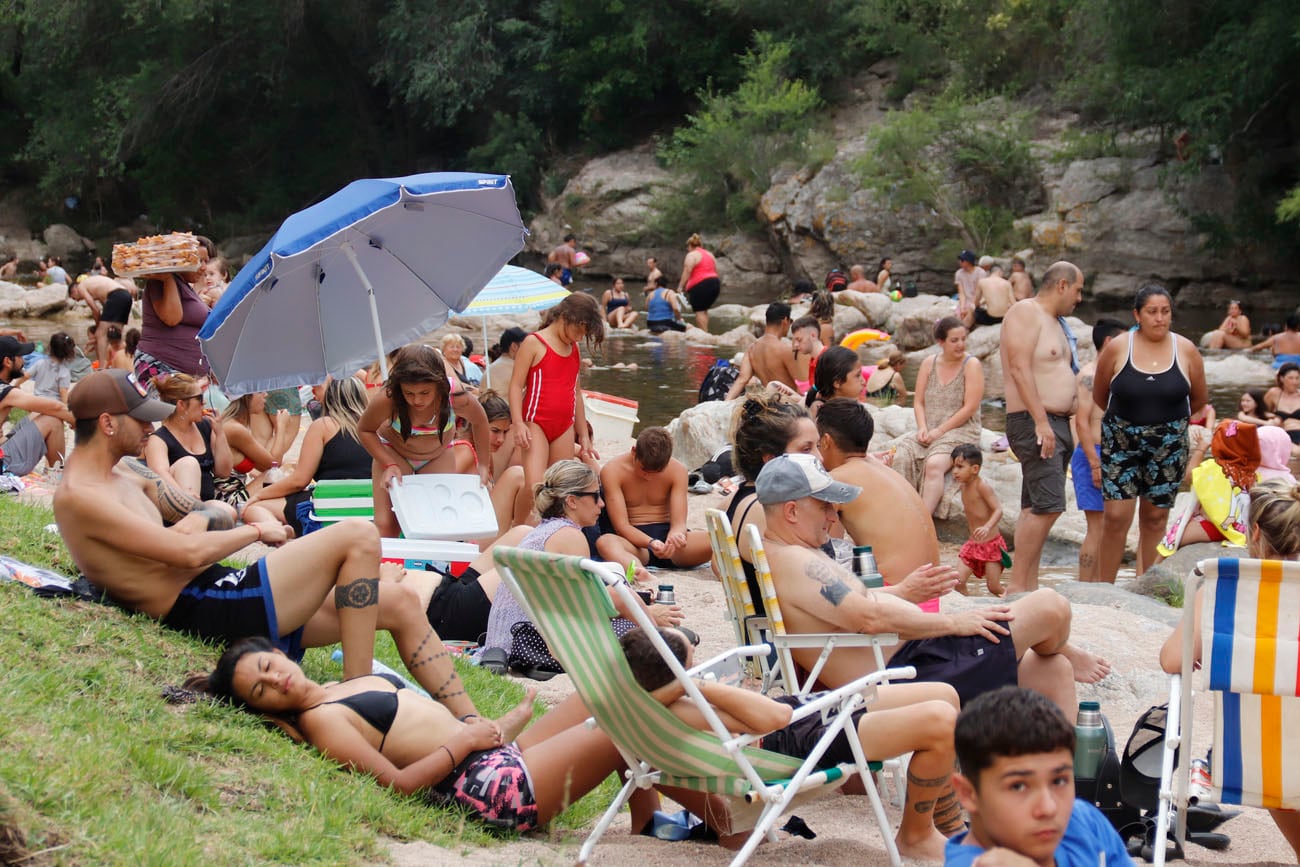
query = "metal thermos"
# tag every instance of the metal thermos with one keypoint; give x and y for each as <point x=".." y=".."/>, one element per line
<point x="666" y="595"/>
<point x="864" y="566"/>
<point x="1090" y="744"/>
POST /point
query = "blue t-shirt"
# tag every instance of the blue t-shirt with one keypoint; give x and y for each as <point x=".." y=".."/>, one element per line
<point x="1086" y="837"/>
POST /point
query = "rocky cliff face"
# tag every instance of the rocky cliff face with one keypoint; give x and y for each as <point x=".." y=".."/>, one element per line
<point x="1125" y="221"/>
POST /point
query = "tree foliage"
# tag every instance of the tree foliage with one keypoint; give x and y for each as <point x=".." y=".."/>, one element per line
<point x="728" y="150"/>
<point x="236" y="112"/>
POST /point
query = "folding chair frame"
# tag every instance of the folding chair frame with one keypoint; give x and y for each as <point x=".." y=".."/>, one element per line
<point x="772" y="797"/>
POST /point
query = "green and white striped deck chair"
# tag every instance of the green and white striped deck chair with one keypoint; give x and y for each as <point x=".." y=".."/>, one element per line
<point x="1250" y="663"/>
<point x="566" y="598"/>
<point x="747" y="623"/>
<point x="788" y="671"/>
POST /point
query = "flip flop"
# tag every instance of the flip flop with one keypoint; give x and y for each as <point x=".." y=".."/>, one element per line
<point x="540" y="674"/>
<point x="494" y="659"/>
<point x="690" y="635"/>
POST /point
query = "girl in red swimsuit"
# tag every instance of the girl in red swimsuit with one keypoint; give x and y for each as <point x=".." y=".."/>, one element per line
<point x="544" y="396"/>
<point x="406" y="425"/>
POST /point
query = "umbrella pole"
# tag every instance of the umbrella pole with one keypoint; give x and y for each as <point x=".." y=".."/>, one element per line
<point x="487" y="368"/>
<point x="374" y="308"/>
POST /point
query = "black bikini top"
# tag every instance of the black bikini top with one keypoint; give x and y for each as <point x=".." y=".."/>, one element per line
<point x="377" y="707"/>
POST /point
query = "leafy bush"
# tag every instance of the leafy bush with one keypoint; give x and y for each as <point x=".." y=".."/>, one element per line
<point x="728" y="151"/>
<point x="970" y="166"/>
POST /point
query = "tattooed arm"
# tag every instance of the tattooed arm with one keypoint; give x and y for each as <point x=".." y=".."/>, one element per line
<point x="827" y="593"/>
<point x="188" y="514"/>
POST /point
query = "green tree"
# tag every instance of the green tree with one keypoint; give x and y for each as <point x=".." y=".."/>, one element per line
<point x="728" y="150"/>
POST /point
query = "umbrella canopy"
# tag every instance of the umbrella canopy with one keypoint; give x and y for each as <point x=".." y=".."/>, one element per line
<point x="378" y="264"/>
<point x="513" y="290"/>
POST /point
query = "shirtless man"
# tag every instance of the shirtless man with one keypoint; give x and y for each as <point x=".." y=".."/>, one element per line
<point x="563" y="256"/>
<point x="1038" y="361"/>
<point x="770" y="358"/>
<point x="858" y="280"/>
<point x="1085" y="463"/>
<point x="652" y="274"/>
<point x="39" y="433"/>
<point x="894" y="520"/>
<point x="9" y="269"/>
<point x="965" y="279"/>
<point x="974" y="651"/>
<point x="316" y="591"/>
<point x="1021" y="283"/>
<point x="994" y="294"/>
<point x="109" y="301"/>
<point x="645" y="499"/>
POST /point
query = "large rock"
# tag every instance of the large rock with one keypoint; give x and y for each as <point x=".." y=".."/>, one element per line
<point x="1165" y="579"/>
<point x="41" y="301"/>
<point x="700" y="431"/>
<point x="874" y="306"/>
<point x="911" y="321"/>
<point x="64" y="241"/>
<point x="1238" y="370"/>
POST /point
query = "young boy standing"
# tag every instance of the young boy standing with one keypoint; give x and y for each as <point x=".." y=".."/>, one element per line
<point x="1016" y="753"/>
<point x="985" y="553"/>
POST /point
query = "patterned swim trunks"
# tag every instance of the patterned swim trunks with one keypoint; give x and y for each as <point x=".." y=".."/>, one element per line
<point x="1140" y="460"/>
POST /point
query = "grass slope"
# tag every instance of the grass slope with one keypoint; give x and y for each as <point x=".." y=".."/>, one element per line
<point x="97" y="768"/>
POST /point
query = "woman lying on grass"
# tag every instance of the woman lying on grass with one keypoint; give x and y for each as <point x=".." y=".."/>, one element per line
<point x="411" y="743"/>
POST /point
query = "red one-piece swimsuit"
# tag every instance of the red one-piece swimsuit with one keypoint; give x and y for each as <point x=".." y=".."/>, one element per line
<point x="549" y="391"/>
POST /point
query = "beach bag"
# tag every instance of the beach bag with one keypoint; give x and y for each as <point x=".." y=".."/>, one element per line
<point x="718" y="381"/>
<point x="836" y="280"/>
<point x="530" y="654"/>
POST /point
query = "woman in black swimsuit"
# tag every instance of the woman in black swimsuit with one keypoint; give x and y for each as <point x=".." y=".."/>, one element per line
<point x="1284" y="400"/>
<point x="618" y="306"/>
<point x="509" y="779"/>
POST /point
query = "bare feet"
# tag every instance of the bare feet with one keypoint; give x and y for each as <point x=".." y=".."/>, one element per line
<point x="514" y="721"/>
<point x="928" y="848"/>
<point x="1088" y="667"/>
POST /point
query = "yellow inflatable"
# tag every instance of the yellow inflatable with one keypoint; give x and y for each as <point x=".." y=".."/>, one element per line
<point x="861" y="336"/>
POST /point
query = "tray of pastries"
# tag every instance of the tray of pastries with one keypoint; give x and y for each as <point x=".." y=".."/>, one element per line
<point x="158" y="254"/>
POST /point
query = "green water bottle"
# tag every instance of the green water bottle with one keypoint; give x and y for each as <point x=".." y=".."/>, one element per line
<point x="1089" y="741"/>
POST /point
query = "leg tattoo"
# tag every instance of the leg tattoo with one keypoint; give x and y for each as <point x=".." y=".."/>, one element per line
<point x="947" y="814"/>
<point x="361" y="593"/>
<point x="451" y="685"/>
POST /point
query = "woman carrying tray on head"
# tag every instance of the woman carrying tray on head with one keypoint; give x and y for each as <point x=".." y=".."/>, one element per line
<point x="172" y="314"/>
<point x="409" y="424"/>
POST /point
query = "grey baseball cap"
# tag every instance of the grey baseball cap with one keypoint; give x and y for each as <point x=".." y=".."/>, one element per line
<point x="793" y="477"/>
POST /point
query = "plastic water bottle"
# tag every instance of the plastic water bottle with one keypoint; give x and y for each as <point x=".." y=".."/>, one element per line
<point x="864" y="565"/>
<point x="1090" y="744"/>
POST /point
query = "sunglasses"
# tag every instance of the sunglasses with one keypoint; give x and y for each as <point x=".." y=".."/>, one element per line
<point x="595" y="495"/>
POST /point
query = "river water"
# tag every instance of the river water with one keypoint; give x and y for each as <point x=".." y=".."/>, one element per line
<point x="667" y="373"/>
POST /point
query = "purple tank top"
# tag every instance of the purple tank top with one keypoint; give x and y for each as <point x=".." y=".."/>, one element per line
<point x="176" y="346"/>
<point x="506" y="610"/>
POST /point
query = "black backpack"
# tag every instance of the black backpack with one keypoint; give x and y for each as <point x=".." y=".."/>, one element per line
<point x="718" y="381"/>
<point x="836" y="280"/>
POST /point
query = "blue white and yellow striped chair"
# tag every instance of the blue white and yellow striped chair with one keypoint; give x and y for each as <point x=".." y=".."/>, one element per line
<point x="568" y="599"/>
<point x="1250" y="662"/>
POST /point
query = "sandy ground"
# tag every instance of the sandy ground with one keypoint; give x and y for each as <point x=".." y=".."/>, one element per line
<point x="1125" y="628"/>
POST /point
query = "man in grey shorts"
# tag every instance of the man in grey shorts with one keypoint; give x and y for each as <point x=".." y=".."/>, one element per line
<point x="1040" y="363"/>
<point x="40" y="433"/>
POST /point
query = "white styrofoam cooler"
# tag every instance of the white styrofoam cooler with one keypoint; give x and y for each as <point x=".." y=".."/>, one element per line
<point x="443" y="506"/>
<point x="612" y="418"/>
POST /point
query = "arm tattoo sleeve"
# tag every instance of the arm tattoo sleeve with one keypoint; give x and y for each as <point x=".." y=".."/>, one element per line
<point x="218" y="518"/>
<point x="361" y="593"/>
<point x="833" y="590"/>
<point x="173" y="503"/>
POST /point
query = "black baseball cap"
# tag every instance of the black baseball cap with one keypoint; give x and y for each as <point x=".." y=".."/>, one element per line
<point x="12" y="346"/>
